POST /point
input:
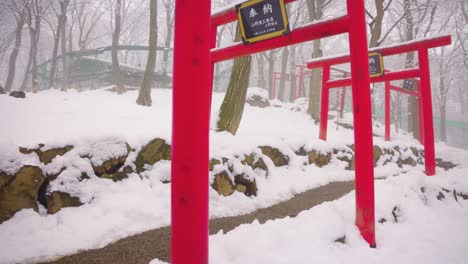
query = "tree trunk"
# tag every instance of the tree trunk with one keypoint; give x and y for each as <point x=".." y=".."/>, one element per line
<point x="144" y="97"/>
<point x="413" y="118"/>
<point x="232" y="107"/>
<point x="53" y="65"/>
<point x="283" y="76"/>
<point x="292" y="74"/>
<point x="261" y="73"/>
<point x="315" y="85"/>
<point x="271" y="68"/>
<point x="376" y="28"/>
<point x="33" y="52"/>
<point x="14" y="54"/>
<point x="117" y="74"/>
<point x="443" y="123"/>
<point x="64" y="51"/>
<point x="168" y="40"/>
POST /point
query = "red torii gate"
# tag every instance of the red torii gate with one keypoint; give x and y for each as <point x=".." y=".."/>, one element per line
<point x="422" y="72"/>
<point x="194" y="57"/>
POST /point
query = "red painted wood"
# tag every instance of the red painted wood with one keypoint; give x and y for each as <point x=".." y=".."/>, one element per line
<point x="389" y="76"/>
<point x="429" y="149"/>
<point x="401" y="90"/>
<point x="306" y="33"/>
<point x="190" y="131"/>
<point x="363" y="142"/>
<point x="386" y="51"/>
<point x="324" y="103"/>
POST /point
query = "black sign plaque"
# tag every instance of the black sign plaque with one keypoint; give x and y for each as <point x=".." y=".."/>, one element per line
<point x="262" y="19"/>
<point x="409" y="84"/>
<point x="376" y="67"/>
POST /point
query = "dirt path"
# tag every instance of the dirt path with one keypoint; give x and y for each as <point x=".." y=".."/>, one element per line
<point x="144" y="247"/>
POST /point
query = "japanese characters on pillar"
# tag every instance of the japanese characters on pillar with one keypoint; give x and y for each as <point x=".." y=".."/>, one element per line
<point x="262" y="19"/>
<point x="409" y="84"/>
<point x="376" y="67"/>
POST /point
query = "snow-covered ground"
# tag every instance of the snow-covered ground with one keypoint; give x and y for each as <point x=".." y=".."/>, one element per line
<point x="428" y="230"/>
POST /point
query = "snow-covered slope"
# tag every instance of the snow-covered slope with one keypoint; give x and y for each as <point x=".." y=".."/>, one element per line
<point x="95" y="122"/>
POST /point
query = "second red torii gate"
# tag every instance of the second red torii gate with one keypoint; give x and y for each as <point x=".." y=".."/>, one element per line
<point x="424" y="84"/>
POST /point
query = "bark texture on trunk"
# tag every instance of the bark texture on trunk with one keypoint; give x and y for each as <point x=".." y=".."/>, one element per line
<point x="14" y="54"/>
<point x="283" y="75"/>
<point x="144" y="96"/>
<point x="116" y="73"/>
<point x="292" y="74"/>
<point x="232" y="107"/>
<point x="53" y="65"/>
<point x="64" y="52"/>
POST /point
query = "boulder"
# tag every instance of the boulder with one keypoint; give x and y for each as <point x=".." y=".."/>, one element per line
<point x="278" y="158"/>
<point x="58" y="200"/>
<point x="115" y="177"/>
<point x="17" y="94"/>
<point x="109" y="166"/>
<point x="1" y="90"/>
<point x="258" y="101"/>
<point x="47" y="156"/>
<point x="153" y="152"/>
<point x="213" y="163"/>
<point x="20" y="192"/>
<point x="301" y="151"/>
<point x="377" y="154"/>
<point x="258" y="163"/>
<point x="318" y="158"/>
<point x="245" y="185"/>
<point x="223" y="184"/>
<point x="4" y="178"/>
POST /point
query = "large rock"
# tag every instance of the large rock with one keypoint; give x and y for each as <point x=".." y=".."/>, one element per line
<point x="112" y="165"/>
<point x="255" y="163"/>
<point x="223" y="184"/>
<point x="377" y="154"/>
<point x="153" y="152"/>
<point x="213" y="163"/>
<point x="18" y="94"/>
<point x="4" y="178"/>
<point x="109" y="167"/>
<point x="318" y="158"/>
<point x="278" y="158"/>
<point x="245" y="185"/>
<point x="58" y="200"/>
<point x="47" y="156"/>
<point x="20" y="192"/>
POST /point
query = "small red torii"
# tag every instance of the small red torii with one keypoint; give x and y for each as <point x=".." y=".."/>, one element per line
<point x="422" y="72"/>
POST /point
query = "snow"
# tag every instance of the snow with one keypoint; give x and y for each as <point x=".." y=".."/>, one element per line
<point x="99" y="123"/>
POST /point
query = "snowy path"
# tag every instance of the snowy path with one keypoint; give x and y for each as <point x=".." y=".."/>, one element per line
<point x="152" y="244"/>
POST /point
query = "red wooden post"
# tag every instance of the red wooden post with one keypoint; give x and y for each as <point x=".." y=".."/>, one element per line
<point x="429" y="151"/>
<point x="190" y="131"/>
<point x="364" y="171"/>
<point x="324" y="102"/>
<point x="420" y="110"/>
<point x="387" y="111"/>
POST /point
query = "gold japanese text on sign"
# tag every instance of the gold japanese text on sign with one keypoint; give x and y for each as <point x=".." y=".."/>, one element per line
<point x="262" y="19"/>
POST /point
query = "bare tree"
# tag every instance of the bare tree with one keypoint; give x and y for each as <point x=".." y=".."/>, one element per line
<point x="35" y="10"/>
<point x="117" y="74"/>
<point x="232" y="107"/>
<point x="56" y="35"/>
<point x="144" y="97"/>
<point x="63" y="34"/>
<point x="169" y="10"/>
<point x="18" y="8"/>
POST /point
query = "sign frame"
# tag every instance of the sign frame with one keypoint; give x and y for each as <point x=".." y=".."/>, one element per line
<point x="249" y="40"/>
<point x="381" y="64"/>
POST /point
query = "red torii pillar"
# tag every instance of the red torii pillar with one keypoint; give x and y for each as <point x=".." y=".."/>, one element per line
<point x="190" y="132"/>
